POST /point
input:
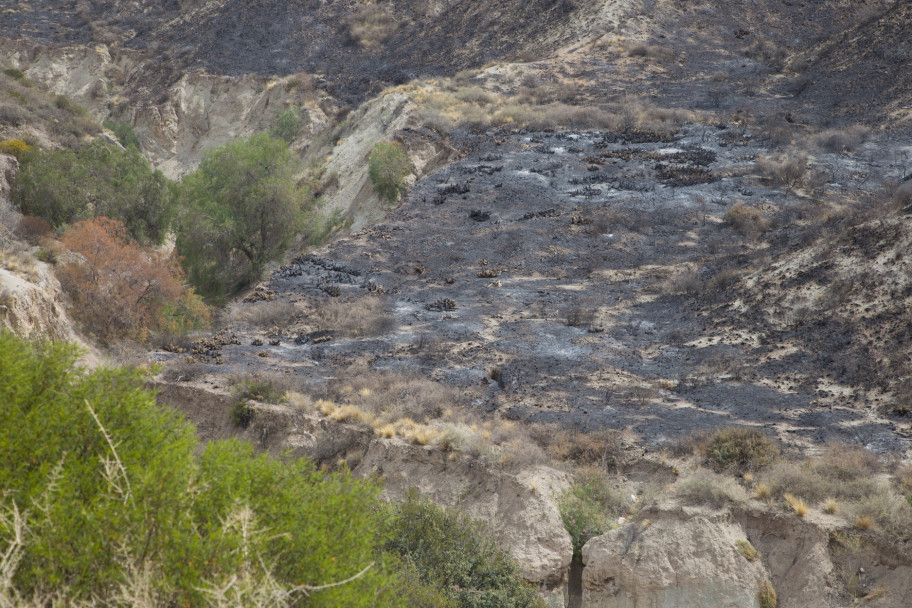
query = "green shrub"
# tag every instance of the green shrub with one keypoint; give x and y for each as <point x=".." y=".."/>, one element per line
<point x="123" y="131"/>
<point x="101" y="180"/>
<point x="65" y="103"/>
<point x="458" y="556"/>
<point x="741" y="449"/>
<point x="239" y="210"/>
<point x="15" y="73"/>
<point x="388" y="165"/>
<point x="110" y="495"/>
<point x="287" y="126"/>
<point x="586" y="510"/>
<point x="766" y="595"/>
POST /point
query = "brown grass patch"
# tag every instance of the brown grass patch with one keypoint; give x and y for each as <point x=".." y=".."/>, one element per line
<point x="356" y="318"/>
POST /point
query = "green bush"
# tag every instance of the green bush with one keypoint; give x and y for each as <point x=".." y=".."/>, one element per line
<point x="387" y="166"/>
<point x="287" y="126"/>
<point x="66" y="186"/>
<point x="586" y="510"/>
<point x="457" y="555"/>
<point x="114" y="494"/>
<point x="123" y="131"/>
<point x="741" y="449"/>
<point x="240" y="210"/>
<point x="15" y="73"/>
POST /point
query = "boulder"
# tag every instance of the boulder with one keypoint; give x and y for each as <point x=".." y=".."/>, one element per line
<point x="687" y="559"/>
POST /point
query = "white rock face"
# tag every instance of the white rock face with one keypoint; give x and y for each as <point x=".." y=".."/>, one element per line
<point x="674" y="562"/>
<point x="519" y="507"/>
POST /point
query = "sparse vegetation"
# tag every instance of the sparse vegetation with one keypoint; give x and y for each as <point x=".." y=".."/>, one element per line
<point x="711" y="489"/>
<point x="362" y="317"/>
<point x="387" y="166"/>
<point x="587" y="509"/>
<point x="841" y="140"/>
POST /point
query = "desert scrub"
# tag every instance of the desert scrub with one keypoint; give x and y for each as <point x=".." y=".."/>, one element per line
<point x="587" y="509"/>
<point x="458" y="555"/>
<point x="90" y="460"/>
<point x="708" y="488"/>
<point x="740" y="449"/>
<point x="387" y="166"/>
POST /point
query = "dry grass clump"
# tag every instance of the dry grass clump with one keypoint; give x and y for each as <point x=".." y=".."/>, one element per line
<point x="652" y="51"/>
<point x="184" y="369"/>
<point x="841" y="140"/>
<point x="272" y="313"/>
<point x="831" y="506"/>
<point x="786" y="171"/>
<point x="356" y="318"/>
<point x="683" y="282"/>
<point x="740" y="449"/>
<point x="371" y="25"/>
<point x="762" y="491"/>
<point x="796" y="504"/>
<point x="864" y="522"/>
<point x="443" y="104"/>
<point x="18" y="260"/>
<point x="708" y="488"/>
<point x="391" y="395"/>
<point x="603" y="448"/>
<point x="746" y="221"/>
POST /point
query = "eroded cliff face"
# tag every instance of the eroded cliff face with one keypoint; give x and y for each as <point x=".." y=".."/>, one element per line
<point x="178" y="115"/>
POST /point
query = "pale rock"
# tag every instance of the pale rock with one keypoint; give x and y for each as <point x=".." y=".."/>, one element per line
<point x="682" y="560"/>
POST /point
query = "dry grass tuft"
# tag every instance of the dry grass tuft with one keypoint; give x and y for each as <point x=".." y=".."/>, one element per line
<point x="796" y="504"/>
<point x="762" y="491"/>
<point x="746" y="221"/>
<point x="864" y="522"/>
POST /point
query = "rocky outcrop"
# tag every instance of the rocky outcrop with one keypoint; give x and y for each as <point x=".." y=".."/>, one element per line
<point x="382" y="119"/>
<point x="685" y="558"/>
<point x="519" y="507"/>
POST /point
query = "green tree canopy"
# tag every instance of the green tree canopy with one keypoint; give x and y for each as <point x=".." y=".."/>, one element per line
<point x="240" y="210"/>
<point x="100" y="180"/>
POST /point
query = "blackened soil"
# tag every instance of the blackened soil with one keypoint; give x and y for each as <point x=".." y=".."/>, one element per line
<point x="592" y="288"/>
